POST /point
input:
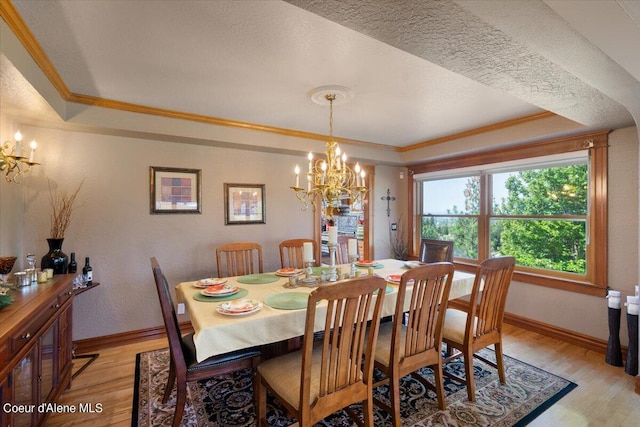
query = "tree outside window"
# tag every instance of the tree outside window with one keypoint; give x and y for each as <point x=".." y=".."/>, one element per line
<point x="536" y="215"/>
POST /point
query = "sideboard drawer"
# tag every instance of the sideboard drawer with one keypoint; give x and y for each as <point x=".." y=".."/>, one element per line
<point x="65" y="295"/>
<point x="25" y="334"/>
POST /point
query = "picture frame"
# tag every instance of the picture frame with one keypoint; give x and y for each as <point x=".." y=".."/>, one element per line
<point x="244" y="204"/>
<point x="175" y="190"/>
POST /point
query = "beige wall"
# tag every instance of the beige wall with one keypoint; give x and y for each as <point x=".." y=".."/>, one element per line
<point x="388" y="177"/>
<point x="115" y="229"/>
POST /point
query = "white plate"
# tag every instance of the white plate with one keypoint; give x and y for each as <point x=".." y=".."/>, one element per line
<point x="414" y="264"/>
<point x="366" y="264"/>
<point x="396" y="278"/>
<point x="208" y="282"/>
<point x="223" y="290"/>
<point x="286" y="272"/>
<point x="239" y="307"/>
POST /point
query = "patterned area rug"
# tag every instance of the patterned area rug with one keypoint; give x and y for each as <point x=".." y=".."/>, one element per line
<point x="228" y="400"/>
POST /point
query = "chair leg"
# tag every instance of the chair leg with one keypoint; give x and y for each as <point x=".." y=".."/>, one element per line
<point x="181" y="399"/>
<point x="367" y="409"/>
<point x="170" y="381"/>
<point x="261" y="398"/>
<point x="394" y="395"/>
<point x="500" y="362"/>
<point x="439" y="386"/>
<point x="468" y="369"/>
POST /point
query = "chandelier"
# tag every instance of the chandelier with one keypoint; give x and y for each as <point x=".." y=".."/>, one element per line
<point x="330" y="179"/>
<point x="12" y="161"/>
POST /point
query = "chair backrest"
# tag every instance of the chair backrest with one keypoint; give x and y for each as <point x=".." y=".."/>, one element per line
<point x="436" y="251"/>
<point x="425" y="314"/>
<point x="171" y="324"/>
<point x="342" y="251"/>
<point x="291" y="255"/>
<point x="238" y="259"/>
<point x="346" y="365"/>
<point x="489" y="296"/>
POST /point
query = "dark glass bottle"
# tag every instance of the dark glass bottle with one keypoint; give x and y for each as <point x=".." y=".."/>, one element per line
<point x="87" y="271"/>
<point x="73" y="265"/>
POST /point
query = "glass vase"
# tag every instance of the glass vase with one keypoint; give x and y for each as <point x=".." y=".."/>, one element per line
<point x="55" y="258"/>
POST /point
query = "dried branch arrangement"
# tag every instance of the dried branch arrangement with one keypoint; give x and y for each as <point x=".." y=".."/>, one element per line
<point x="61" y="210"/>
<point x="398" y="241"/>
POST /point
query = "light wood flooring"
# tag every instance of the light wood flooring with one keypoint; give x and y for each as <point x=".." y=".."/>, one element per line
<point x="604" y="396"/>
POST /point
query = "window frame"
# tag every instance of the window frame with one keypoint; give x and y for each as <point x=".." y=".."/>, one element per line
<point x="594" y="282"/>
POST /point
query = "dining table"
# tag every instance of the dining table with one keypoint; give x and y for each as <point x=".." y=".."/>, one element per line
<point x="277" y="311"/>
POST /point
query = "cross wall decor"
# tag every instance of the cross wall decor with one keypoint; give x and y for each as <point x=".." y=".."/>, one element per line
<point x="389" y="198"/>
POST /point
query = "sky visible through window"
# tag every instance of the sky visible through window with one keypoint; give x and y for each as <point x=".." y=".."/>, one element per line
<point x="442" y="195"/>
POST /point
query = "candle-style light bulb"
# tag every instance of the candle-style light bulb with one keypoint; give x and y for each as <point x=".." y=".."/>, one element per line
<point x="357" y="169"/>
<point x="310" y="157"/>
<point x="17" y="150"/>
<point x="297" y="171"/>
<point x="323" y="167"/>
<point x="362" y="174"/>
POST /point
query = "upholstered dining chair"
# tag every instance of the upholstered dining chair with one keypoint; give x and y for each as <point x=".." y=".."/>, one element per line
<point x="183" y="367"/>
<point x="481" y="325"/>
<point x="402" y="349"/>
<point x="324" y="377"/>
<point x="238" y="259"/>
<point x="436" y="251"/>
<point x="291" y="253"/>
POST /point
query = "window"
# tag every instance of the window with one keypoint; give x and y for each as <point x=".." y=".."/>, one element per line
<point x="549" y="211"/>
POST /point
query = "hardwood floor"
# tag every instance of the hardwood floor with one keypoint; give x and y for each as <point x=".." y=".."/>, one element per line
<point x="604" y="396"/>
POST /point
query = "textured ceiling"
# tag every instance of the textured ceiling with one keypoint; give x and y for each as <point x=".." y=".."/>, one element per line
<point x="419" y="69"/>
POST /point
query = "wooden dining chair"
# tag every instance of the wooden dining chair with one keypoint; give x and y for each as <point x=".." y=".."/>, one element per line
<point x="291" y="255"/>
<point x="402" y="349"/>
<point x="325" y="377"/>
<point x="184" y="367"/>
<point x="238" y="259"/>
<point x="342" y="250"/>
<point x="481" y="325"/>
<point x="436" y="251"/>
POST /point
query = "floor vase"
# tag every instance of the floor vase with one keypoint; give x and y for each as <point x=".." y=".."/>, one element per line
<point x="614" y="351"/>
<point x="631" y="367"/>
<point x="55" y="258"/>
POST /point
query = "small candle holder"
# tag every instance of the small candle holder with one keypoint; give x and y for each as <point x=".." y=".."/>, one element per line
<point x="353" y="259"/>
<point x="333" y="271"/>
<point x="308" y="272"/>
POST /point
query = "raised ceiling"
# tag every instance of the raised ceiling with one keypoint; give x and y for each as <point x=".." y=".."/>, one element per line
<point x="419" y="70"/>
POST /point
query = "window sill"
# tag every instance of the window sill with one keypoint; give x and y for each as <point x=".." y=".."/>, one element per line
<point x="564" y="284"/>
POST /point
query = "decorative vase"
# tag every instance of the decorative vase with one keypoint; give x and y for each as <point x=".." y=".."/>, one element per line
<point x="631" y="367"/>
<point x="614" y="352"/>
<point x="55" y="258"/>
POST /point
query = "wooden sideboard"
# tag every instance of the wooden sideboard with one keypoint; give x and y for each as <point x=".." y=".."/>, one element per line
<point x="35" y="350"/>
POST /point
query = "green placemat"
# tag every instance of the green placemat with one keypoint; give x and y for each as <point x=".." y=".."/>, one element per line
<point x="258" y="279"/>
<point x="376" y="266"/>
<point x="287" y="300"/>
<point x="318" y="270"/>
<point x="241" y="293"/>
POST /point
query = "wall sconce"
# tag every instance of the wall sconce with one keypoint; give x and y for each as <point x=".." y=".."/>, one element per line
<point x="13" y="162"/>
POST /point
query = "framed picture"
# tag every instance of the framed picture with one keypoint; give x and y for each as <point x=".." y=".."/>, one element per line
<point x="244" y="204"/>
<point x="175" y="190"/>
